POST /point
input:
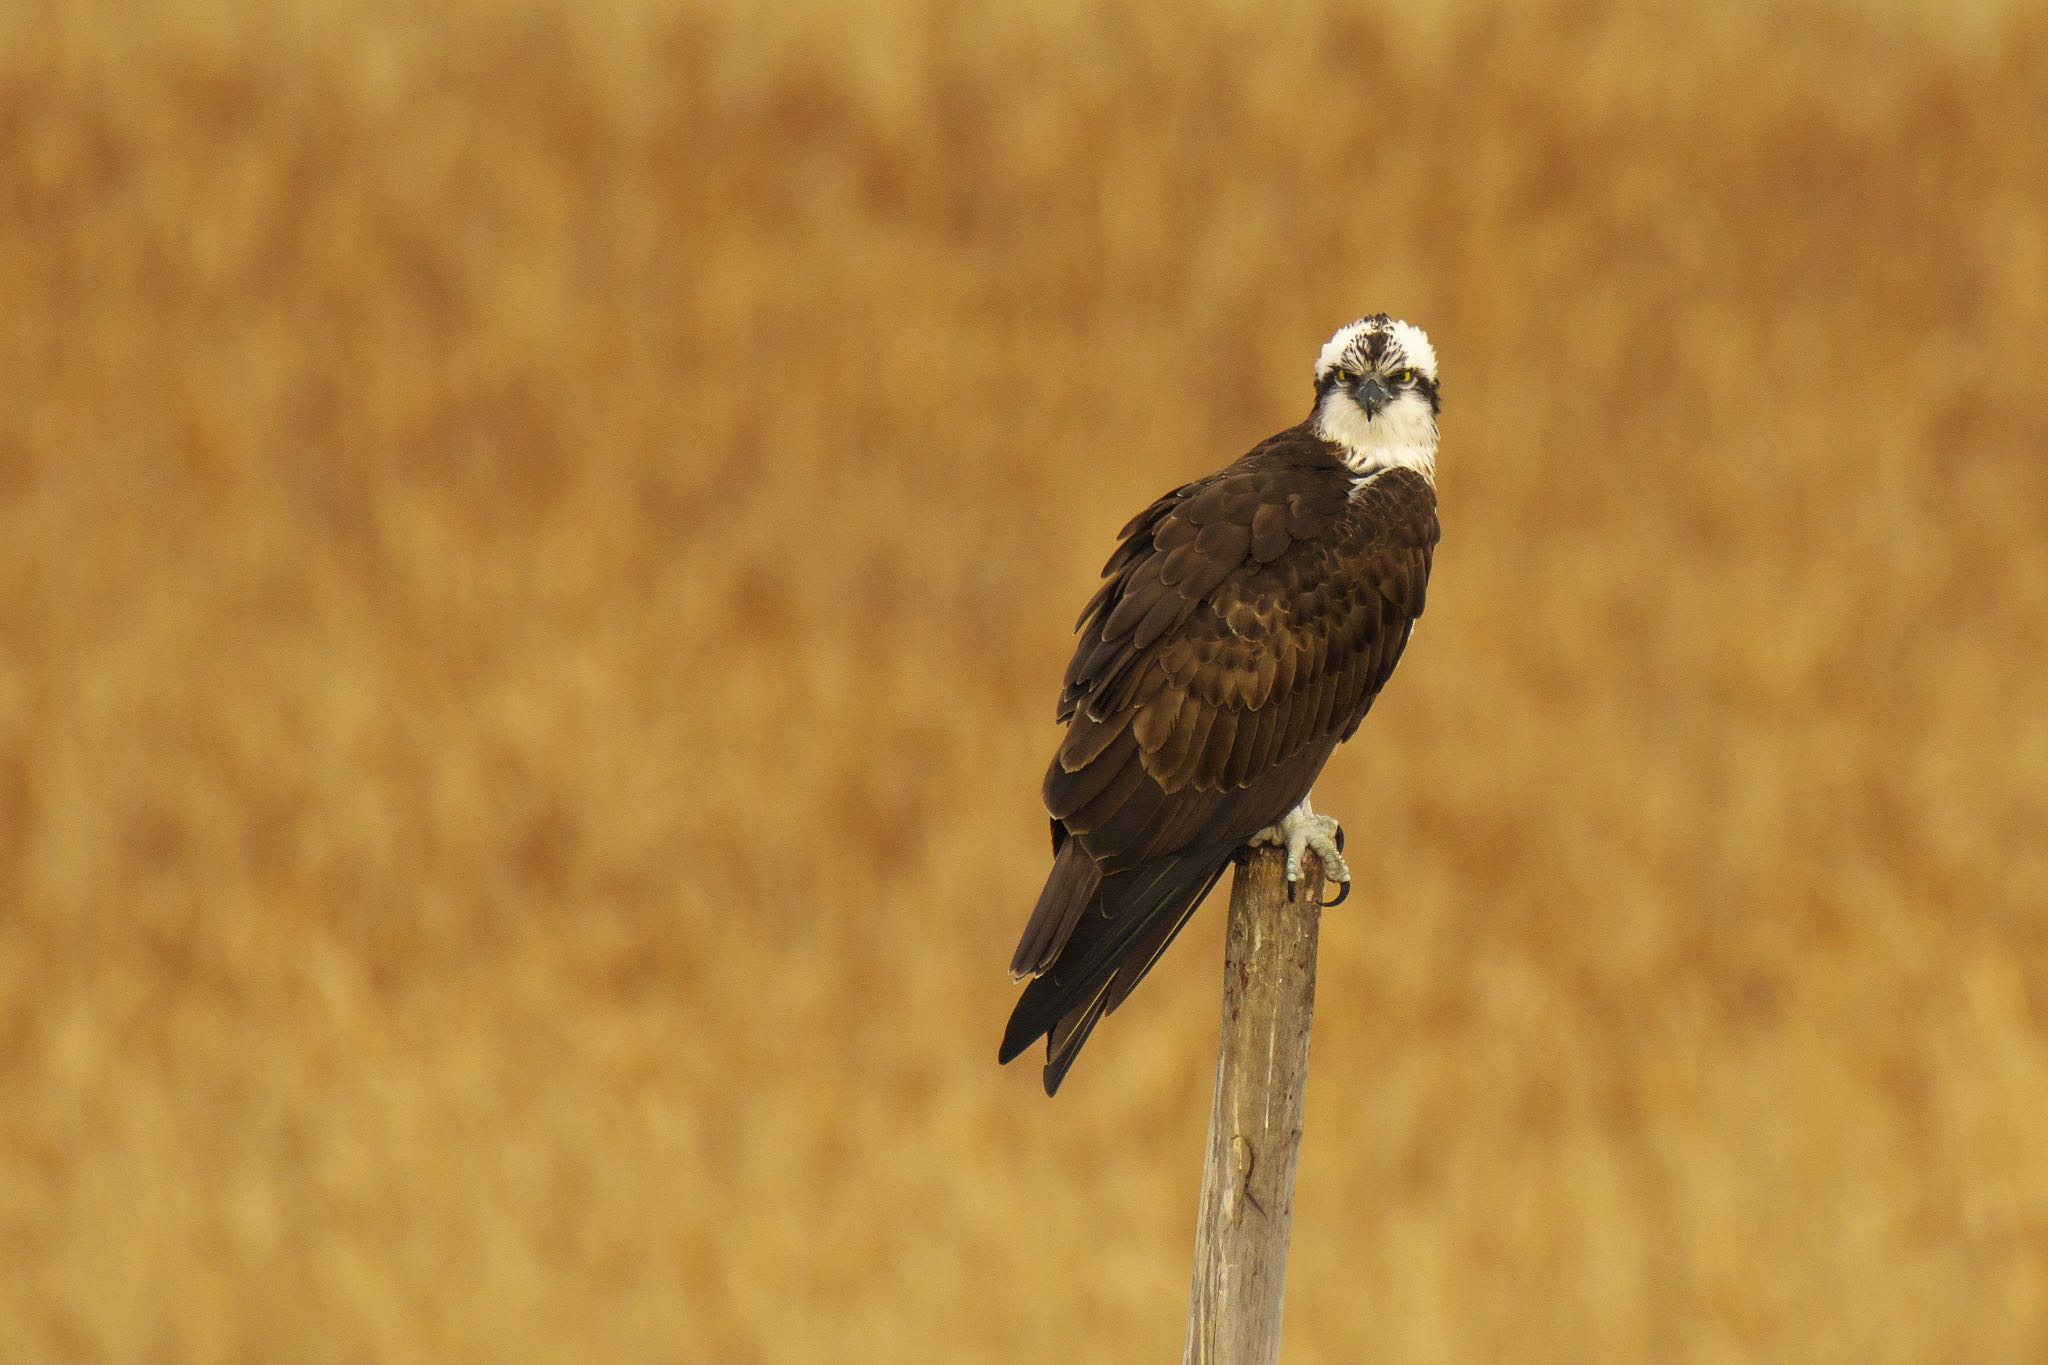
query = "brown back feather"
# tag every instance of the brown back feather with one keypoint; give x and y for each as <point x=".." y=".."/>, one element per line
<point x="1244" y="618"/>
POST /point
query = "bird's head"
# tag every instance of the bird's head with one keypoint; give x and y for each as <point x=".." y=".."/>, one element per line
<point x="1376" y="394"/>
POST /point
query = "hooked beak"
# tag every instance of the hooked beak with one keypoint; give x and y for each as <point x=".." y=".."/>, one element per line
<point x="1371" y="395"/>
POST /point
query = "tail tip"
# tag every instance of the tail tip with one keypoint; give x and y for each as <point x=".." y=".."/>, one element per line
<point x="1013" y="1046"/>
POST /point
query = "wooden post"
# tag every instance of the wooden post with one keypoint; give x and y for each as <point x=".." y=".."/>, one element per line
<point x="1269" y="996"/>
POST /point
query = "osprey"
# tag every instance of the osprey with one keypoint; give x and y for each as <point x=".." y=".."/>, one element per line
<point x="1245" y="624"/>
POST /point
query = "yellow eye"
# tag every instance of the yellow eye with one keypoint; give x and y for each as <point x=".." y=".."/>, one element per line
<point x="1343" y="376"/>
<point x="1405" y="377"/>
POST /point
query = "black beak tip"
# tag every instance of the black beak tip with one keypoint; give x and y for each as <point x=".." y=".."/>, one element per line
<point x="1372" y="396"/>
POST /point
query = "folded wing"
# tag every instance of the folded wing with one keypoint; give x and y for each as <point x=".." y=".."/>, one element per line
<point x="1244" y="626"/>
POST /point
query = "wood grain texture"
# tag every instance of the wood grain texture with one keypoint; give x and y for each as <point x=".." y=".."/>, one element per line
<point x="1247" y="1207"/>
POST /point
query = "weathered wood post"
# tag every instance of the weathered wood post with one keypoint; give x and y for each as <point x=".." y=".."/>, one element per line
<point x="1269" y="997"/>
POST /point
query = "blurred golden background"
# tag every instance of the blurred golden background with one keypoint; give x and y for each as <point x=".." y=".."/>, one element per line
<point x="536" y="549"/>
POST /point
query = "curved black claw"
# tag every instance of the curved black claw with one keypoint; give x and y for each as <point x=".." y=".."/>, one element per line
<point x="1292" y="887"/>
<point x="1343" y="894"/>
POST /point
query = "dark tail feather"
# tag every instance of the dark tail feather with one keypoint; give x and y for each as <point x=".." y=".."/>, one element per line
<point x="1105" y="956"/>
<point x="1068" y="889"/>
<point x="1063" y="1044"/>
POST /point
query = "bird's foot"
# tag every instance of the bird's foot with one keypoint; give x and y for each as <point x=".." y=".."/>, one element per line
<point x="1303" y="831"/>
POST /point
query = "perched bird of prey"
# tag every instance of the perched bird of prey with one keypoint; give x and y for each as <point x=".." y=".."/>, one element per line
<point x="1245" y="624"/>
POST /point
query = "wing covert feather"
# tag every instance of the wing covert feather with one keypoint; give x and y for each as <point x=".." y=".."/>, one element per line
<point x="1245" y="619"/>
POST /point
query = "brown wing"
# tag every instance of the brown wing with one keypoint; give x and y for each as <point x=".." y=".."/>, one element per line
<point x="1246" y="621"/>
<point x="1245" y="625"/>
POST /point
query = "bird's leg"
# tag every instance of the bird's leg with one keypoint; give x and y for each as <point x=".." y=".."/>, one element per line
<point x="1300" y="831"/>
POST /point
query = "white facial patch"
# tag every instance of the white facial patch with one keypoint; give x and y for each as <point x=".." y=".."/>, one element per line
<point x="1403" y="435"/>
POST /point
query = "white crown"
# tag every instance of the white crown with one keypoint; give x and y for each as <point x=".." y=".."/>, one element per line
<point x="1412" y="341"/>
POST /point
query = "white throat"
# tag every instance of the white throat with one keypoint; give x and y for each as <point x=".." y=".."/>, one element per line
<point x="1401" y="437"/>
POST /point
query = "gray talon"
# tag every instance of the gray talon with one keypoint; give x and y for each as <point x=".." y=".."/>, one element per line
<point x="1303" y="831"/>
